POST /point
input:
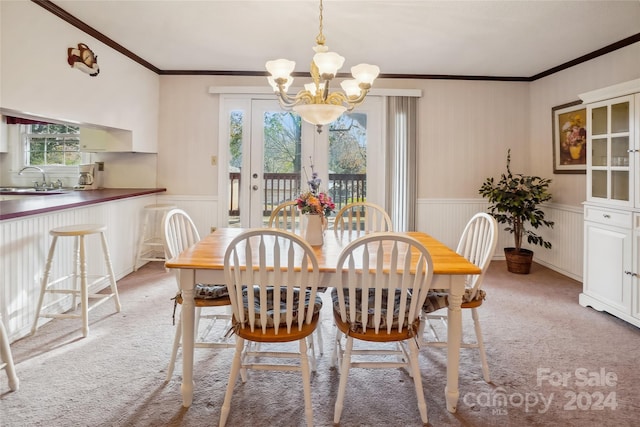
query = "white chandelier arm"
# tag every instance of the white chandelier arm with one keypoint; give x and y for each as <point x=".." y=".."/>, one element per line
<point x="357" y="100"/>
<point x="302" y="97"/>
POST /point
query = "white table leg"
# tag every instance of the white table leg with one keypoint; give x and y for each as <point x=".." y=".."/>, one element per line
<point x="187" y="285"/>
<point x="454" y="336"/>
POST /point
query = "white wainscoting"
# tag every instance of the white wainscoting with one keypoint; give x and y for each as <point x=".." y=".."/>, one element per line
<point x="445" y="220"/>
<point x="203" y="210"/>
<point x="24" y="245"/>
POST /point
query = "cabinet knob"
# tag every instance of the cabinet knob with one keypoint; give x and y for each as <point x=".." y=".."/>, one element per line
<point x="606" y="216"/>
<point x="630" y="273"/>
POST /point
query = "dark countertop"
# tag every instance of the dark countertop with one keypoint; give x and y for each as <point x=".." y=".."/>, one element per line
<point x="33" y="205"/>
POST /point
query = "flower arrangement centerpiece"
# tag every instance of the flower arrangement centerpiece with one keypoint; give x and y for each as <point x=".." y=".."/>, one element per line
<point x="316" y="205"/>
<point x="314" y="201"/>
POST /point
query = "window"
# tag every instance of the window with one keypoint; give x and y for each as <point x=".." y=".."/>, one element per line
<point x="49" y="144"/>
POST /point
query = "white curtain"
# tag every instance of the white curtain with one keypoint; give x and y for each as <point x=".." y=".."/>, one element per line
<point x="402" y="155"/>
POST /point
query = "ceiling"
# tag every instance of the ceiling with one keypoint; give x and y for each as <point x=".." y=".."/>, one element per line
<point x="517" y="38"/>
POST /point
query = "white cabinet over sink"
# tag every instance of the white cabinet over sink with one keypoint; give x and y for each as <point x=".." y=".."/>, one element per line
<point x="113" y="140"/>
<point x="612" y="210"/>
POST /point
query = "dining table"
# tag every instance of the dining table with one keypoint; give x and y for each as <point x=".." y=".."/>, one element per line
<point x="204" y="263"/>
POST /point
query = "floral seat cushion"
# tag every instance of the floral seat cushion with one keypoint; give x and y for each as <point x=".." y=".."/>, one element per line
<point x="201" y="292"/>
<point x="204" y="291"/>
<point x="282" y="305"/>
<point x="356" y="324"/>
<point x="439" y="298"/>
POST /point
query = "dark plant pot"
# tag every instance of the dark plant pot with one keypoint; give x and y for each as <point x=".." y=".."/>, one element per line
<point x="518" y="262"/>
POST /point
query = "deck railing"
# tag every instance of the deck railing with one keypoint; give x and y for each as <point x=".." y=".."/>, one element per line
<point x="343" y="188"/>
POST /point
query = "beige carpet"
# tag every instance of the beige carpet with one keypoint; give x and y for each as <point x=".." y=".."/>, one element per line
<point x="553" y="363"/>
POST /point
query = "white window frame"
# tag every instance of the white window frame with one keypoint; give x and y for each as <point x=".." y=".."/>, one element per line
<point x="27" y="136"/>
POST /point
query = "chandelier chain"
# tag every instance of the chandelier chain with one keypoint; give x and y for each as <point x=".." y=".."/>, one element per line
<point x="320" y="39"/>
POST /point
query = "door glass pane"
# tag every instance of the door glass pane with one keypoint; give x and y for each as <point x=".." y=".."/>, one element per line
<point x="236" y="120"/>
<point x="599" y="152"/>
<point x="282" y="159"/>
<point x="599" y="121"/>
<point x="620" y="185"/>
<point x="620" y="117"/>
<point x="348" y="159"/>
<point x="599" y="184"/>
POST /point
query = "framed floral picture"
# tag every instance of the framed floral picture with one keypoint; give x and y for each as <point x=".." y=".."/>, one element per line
<point x="569" y="138"/>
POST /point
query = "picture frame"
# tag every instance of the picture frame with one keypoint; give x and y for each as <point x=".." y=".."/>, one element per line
<point x="569" y="138"/>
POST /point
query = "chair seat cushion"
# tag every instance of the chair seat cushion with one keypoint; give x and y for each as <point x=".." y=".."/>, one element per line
<point x="204" y="291"/>
<point x="439" y="298"/>
<point x="282" y="305"/>
<point x="356" y="324"/>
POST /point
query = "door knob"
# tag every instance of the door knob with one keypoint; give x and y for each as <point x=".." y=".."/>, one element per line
<point x="254" y="188"/>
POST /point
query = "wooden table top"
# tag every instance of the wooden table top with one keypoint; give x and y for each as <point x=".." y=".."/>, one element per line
<point x="209" y="253"/>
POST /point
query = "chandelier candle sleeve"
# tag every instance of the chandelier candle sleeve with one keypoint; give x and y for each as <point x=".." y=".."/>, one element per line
<point x="316" y="104"/>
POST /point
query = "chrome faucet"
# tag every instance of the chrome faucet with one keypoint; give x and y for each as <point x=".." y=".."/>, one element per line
<point x="44" y="178"/>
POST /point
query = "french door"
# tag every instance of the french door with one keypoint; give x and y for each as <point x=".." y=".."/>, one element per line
<point x="267" y="155"/>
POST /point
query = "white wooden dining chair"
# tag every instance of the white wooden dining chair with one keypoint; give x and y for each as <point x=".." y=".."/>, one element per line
<point x="362" y="216"/>
<point x="379" y="301"/>
<point x="287" y="216"/>
<point x="180" y="233"/>
<point x="477" y="244"/>
<point x="272" y="277"/>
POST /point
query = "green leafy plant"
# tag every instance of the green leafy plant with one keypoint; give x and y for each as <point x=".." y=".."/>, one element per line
<point x="514" y="200"/>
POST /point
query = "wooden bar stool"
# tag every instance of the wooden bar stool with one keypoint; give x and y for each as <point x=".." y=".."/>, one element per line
<point x="150" y="244"/>
<point x="6" y="360"/>
<point x="78" y="232"/>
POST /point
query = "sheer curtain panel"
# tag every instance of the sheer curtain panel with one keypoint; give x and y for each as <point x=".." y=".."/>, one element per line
<point x="401" y="119"/>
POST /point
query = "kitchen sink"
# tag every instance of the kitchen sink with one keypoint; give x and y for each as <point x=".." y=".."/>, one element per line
<point x="30" y="191"/>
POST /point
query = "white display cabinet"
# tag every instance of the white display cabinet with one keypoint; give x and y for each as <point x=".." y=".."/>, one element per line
<point x="612" y="210"/>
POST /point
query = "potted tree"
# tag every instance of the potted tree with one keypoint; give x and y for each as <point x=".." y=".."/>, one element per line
<point x="514" y="200"/>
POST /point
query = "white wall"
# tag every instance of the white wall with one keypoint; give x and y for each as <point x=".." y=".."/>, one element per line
<point x="35" y="78"/>
<point x="569" y="190"/>
<point x="561" y="88"/>
<point x="464" y="132"/>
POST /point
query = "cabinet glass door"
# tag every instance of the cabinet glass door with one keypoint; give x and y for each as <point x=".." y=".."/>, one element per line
<point x="608" y="163"/>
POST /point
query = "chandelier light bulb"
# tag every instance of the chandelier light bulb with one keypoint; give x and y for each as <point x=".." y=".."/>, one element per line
<point x="280" y="68"/>
<point x="313" y="89"/>
<point x="365" y="73"/>
<point x="328" y="63"/>
<point x="351" y="88"/>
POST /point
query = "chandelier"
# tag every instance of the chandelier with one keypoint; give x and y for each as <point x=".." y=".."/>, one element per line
<point x="315" y="103"/>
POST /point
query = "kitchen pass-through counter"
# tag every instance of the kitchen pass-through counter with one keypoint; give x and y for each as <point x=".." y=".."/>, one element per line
<point x="25" y="223"/>
<point x="38" y="204"/>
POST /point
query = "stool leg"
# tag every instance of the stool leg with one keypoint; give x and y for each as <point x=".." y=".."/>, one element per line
<point x="141" y="240"/>
<point x="84" y="292"/>
<point x="5" y="356"/>
<point x="76" y="271"/>
<point x="112" y="276"/>
<point x="45" y="281"/>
